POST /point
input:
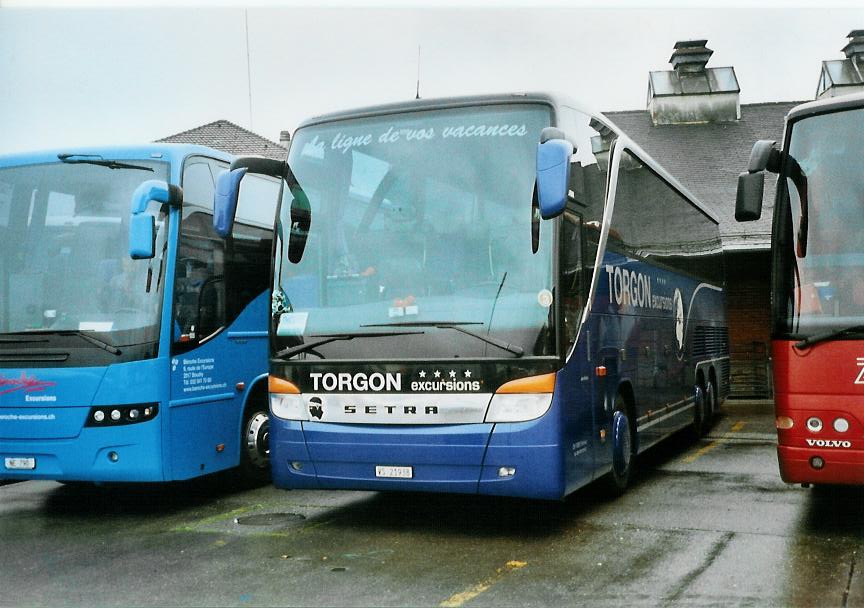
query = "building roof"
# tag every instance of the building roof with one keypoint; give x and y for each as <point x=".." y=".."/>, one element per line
<point x="707" y="159"/>
<point x="234" y="139"/>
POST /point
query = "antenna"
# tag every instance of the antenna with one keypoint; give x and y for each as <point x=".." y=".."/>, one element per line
<point x="418" y="72"/>
<point x="248" y="68"/>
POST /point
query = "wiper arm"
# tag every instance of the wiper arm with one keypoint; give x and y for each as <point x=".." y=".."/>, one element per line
<point x="855" y="329"/>
<point x="289" y="352"/>
<point x="422" y="323"/>
<point x="69" y="332"/>
<point x="74" y="159"/>
<point x="513" y="348"/>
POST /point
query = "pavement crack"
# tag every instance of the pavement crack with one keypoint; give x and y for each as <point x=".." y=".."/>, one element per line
<point x="849" y="582"/>
<point x="691" y="576"/>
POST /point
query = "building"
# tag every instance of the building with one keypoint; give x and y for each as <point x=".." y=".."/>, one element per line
<point x="696" y="127"/>
<point x="234" y="139"/>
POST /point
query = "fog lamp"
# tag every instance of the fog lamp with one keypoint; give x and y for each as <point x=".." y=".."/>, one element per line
<point x="817" y="462"/>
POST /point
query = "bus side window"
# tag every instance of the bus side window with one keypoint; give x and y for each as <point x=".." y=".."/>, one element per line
<point x="250" y="250"/>
<point x="199" y="286"/>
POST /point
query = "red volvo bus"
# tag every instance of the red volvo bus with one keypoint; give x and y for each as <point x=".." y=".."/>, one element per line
<point x="817" y="251"/>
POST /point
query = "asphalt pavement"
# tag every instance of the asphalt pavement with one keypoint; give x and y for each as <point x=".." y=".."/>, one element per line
<point x="704" y="524"/>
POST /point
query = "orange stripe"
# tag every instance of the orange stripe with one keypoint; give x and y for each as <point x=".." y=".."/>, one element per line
<point x="531" y="384"/>
<point x="279" y="385"/>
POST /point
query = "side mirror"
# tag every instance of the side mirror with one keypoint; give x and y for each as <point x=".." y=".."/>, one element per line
<point x="748" y="200"/>
<point x="225" y="200"/>
<point x="553" y="176"/>
<point x="142" y="237"/>
<point x="751" y="184"/>
<point x="142" y="227"/>
<point x="301" y="220"/>
<point x="228" y="188"/>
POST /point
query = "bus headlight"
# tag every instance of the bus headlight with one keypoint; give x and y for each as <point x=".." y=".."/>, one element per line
<point x="522" y="400"/>
<point x="118" y="415"/>
<point x="286" y="402"/>
<point x="288" y="407"/>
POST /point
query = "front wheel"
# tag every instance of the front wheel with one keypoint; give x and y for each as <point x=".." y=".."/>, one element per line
<point x="622" y="449"/>
<point x="255" y="446"/>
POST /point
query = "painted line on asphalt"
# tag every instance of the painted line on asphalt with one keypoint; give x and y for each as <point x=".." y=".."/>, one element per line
<point x="459" y="599"/>
<point x="707" y="448"/>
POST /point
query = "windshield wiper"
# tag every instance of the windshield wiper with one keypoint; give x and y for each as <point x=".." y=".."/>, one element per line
<point x="68" y="332"/>
<point x="513" y="348"/>
<point x="289" y="352"/>
<point x="74" y="159"/>
<point x="836" y="333"/>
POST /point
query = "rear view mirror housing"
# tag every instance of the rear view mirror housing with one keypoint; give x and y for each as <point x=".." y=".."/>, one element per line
<point x="228" y="188"/>
<point x="553" y="176"/>
<point x="751" y="183"/>
<point x="142" y="226"/>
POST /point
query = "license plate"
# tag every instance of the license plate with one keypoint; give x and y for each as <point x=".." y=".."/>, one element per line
<point x="397" y="472"/>
<point x="26" y="464"/>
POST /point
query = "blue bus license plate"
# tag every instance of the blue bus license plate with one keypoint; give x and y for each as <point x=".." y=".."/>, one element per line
<point x="397" y="472"/>
<point x="25" y="464"/>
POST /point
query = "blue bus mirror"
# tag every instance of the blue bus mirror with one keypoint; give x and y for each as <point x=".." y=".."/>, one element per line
<point x="142" y="236"/>
<point x="155" y="190"/>
<point x="553" y="176"/>
<point x="142" y="230"/>
<point x="225" y="200"/>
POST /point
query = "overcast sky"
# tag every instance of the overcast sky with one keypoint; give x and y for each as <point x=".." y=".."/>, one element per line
<point x="100" y="76"/>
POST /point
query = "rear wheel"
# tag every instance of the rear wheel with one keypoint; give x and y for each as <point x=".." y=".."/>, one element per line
<point x="622" y="448"/>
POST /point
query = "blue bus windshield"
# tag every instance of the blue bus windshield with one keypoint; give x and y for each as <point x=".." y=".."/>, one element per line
<point x="419" y="219"/>
<point x="64" y="251"/>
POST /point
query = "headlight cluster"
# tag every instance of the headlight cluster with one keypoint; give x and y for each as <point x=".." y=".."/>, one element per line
<point x="118" y="415"/>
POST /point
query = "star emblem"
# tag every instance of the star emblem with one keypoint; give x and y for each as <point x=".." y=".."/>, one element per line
<point x="467" y="373"/>
<point x="452" y="374"/>
<point x="437" y="374"/>
<point x="423" y="373"/>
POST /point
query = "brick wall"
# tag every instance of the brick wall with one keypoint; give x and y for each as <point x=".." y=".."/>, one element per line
<point x="749" y="308"/>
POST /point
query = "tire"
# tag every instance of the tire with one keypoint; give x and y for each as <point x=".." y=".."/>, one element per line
<point x="623" y="449"/>
<point x="255" y="446"/>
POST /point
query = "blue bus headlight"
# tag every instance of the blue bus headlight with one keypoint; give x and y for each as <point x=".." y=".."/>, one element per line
<point x="522" y="400"/>
<point x="118" y="415"/>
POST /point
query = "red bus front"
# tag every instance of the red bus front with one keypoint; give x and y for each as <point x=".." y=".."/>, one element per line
<point x="818" y="295"/>
<point x="819" y="396"/>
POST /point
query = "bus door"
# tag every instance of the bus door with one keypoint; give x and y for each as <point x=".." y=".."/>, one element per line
<point x="579" y="396"/>
<point x="219" y="333"/>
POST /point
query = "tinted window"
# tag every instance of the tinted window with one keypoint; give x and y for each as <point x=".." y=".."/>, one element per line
<point x="652" y="220"/>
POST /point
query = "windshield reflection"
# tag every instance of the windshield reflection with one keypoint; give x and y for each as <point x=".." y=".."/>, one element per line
<point x="64" y="262"/>
<point x="420" y="218"/>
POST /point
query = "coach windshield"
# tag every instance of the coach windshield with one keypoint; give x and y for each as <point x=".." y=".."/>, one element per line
<point x="421" y="229"/>
<point x="820" y="252"/>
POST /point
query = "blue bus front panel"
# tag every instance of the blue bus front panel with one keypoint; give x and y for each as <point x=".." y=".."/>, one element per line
<point x="46" y="418"/>
<point x="463" y="458"/>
